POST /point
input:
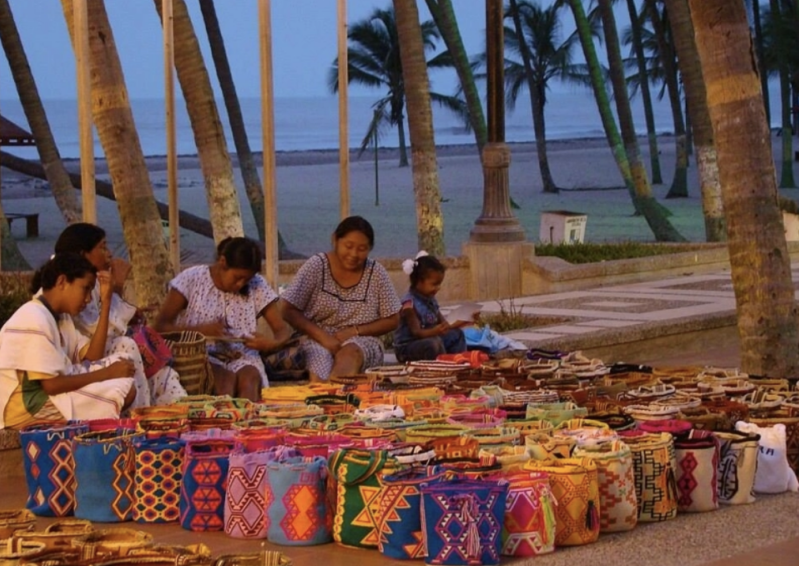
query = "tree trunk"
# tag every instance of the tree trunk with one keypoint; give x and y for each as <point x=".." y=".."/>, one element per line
<point x="679" y="185"/>
<point x="429" y="221"/>
<point x="786" y="135"/>
<point x="403" y="148"/>
<point x="11" y="259"/>
<point x="682" y="31"/>
<point x="444" y="17"/>
<point x="646" y="95"/>
<point x="57" y="177"/>
<point x="653" y="213"/>
<point x="536" y="104"/>
<point x="113" y="120"/>
<point x="209" y="136"/>
<point x="761" y="266"/>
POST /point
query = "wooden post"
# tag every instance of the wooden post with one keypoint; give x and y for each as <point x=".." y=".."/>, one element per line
<point x="80" y="14"/>
<point x="343" y="115"/>
<point x="268" y="133"/>
<point x="171" y="136"/>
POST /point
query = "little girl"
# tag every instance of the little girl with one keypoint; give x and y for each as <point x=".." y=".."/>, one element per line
<point x="423" y="333"/>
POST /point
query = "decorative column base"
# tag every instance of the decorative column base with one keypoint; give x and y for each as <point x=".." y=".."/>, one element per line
<point x="496" y="222"/>
<point x="496" y="269"/>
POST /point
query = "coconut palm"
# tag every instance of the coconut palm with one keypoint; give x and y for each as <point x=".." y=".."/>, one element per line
<point x="373" y="60"/>
<point x="11" y="259"/>
<point x="759" y="260"/>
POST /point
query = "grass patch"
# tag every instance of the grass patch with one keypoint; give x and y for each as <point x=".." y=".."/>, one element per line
<point x="512" y="317"/>
<point x="595" y="252"/>
<point x="15" y="292"/>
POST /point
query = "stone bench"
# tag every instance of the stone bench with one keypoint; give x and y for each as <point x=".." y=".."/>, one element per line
<point x="31" y="222"/>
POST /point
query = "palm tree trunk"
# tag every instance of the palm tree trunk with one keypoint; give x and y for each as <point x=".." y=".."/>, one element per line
<point x="57" y="174"/>
<point x="679" y="184"/>
<point x="113" y="120"/>
<point x="761" y="267"/>
<point x="11" y="259"/>
<point x="209" y="136"/>
<point x="646" y="95"/>
<point x="403" y="149"/>
<point x="682" y="31"/>
<point x="536" y="103"/>
<point x="444" y="17"/>
<point x="429" y="220"/>
<point x="653" y="212"/>
<point x="786" y="175"/>
<point x="247" y="166"/>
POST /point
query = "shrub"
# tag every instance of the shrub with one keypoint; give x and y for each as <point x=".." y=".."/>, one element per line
<point x="512" y="317"/>
<point x="592" y="253"/>
<point x="14" y="293"/>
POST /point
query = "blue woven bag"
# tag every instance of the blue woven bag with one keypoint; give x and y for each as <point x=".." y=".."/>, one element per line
<point x="462" y="521"/>
<point x="401" y="512"/>
<point x="159" y="472"/>
<point x="298" y="509"/>
<point x="105" y="466"/>
<point x="50" y="468"/>
<point x="202" y="491"/>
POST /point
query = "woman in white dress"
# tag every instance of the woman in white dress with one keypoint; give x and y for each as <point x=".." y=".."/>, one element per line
<point x="223" y="301"/>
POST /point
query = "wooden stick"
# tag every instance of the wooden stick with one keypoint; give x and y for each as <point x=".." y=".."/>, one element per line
<point x="80" y="14"/>
<point x="171" y="135"/>
<point x="268" y="133"/>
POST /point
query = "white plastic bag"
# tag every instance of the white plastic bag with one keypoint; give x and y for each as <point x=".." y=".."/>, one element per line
<point x="774" y="475"/>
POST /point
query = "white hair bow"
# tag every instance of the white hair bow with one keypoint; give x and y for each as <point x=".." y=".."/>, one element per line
<point x="409" y="264"/>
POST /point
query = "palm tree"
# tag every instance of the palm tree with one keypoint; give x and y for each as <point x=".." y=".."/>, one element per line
<point x="113" y="120"/>
<point x="374" y="60"/>
<point x="209" y="136"/>
<point x="54" y="168"/>
<point x="429" y="220"/>
<point x="535" y="37"/>
<point x="11" y="259"/>
<point x="761" y="267"/>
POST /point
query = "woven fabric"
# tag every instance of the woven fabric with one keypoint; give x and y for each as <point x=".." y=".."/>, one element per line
<point x="298" y="510"/>
<point x="556" y="413"/>
<point x="50" y="468"/>
<point x="105" y="466"/>
<point x="697" y="464"/>
<point x="737" y="467"/>
<point x="575" y="485"/>
<point x="159" y="465"/>
<point x="401" y="512"/>
<point x="541" y="446"/>
<point x="529" y="515"/>
<point x="202" y="489"/>
<point x="358" y="476"/>
<point x="462" y="521"/>
<point x="653" y="466"/>
<point x="618" y="504"/>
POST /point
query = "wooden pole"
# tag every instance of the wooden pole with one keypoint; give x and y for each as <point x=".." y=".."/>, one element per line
<point x="80" y="14"/>
<point x="343" y="116"/>
<point x="268" y="133"/>
<point x="171" y="135"/>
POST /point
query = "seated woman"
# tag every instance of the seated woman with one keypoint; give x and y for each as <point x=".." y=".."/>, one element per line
<point x="49" y="372"/>
<point x="342" y="301"/>
<point x="224" y="301"/>
<point x="115" y="316"/>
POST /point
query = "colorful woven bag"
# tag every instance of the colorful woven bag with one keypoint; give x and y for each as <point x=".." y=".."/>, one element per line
<point x="697" y="457"/>
<point x="401" y="512"/>
<point x="556" y="413"/>
<point x="575" y="485"/>
<point x="462" y="521"/>
<point x="618" y="504"/>
<point x="159" y="465"/>
<point x="529" y="515"/>
<point x="297" y="503"/>
<point x="202" y="490"/>
<point x="653" y="466"/>
<point x="737" y="467"/>
<point x="50" y="467"/>
<point x="358" y="476"/>
<point x="105" y="465"/>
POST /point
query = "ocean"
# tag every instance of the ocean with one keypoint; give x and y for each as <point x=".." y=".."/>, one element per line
<point x="311" y="123"/>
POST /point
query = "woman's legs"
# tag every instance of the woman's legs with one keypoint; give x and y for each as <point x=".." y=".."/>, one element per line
<point x="348" y="360"/>
<point x="224" y="380"/>
<point x="248" y="383"/>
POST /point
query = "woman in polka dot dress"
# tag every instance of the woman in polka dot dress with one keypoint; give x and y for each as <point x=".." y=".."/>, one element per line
<point x="343" y="301"/>
<point x="224" y="300"/>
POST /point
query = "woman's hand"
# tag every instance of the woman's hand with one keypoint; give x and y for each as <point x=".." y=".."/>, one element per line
<point x="120" y="368"/>
<point x="106" y="286"/>
<point x="119" y="269"/>
<point x="217" y="328"/>
<point x="263" y="343"/>
<point x="330" y="343"/>
<point x="346" y="333"/>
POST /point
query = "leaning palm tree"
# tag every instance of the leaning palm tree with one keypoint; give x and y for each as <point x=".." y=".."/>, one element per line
<point x="374" y="60"/>
<point x="11" y="259"/>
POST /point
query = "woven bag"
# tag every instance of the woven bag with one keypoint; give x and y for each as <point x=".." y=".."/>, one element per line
<point x="697" y="456"/>
<point x="57" y="537"/>
<point x="202" y="488"/>
<point x="111" y="543"/>
<point x="159" y="471"/>
<point x="791" y="432"/>
<point x="654" y="467"/>
<point x="263" y="558"/>
<point x="12" y="520"/>
<point x="737" y="467"/>
<point x="190" y="361"/>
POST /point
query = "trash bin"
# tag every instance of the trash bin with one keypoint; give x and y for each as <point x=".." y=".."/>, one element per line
<point x="562" y="226"/>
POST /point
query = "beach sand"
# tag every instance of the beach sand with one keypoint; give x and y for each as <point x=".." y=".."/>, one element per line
<point x="308" y="198"/>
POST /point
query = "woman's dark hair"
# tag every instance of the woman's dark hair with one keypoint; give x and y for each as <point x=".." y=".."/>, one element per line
<point x="423" y="266"/>
<point x="79" y="238"/>
<point x="355" y="224"/>
<point x="240" y="253"/>
<point x="72" y="265"/>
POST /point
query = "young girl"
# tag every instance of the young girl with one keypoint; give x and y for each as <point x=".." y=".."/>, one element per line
<point x="423" y="333"/>
<point x="49" y="372"/>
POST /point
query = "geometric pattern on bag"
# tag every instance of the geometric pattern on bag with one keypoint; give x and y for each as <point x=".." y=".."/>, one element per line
<point x="298" y="511"/>
<point x="245" y="499"/>
<point x="50" y="468"/>
<point x="737" y="466"/>
<point x="462" y="521"/>
<point x="529" y="515"/>
<point x="575" y="485"/>
<point x="697" y="468"/>
<point x="617" y="501"/>
<point x="202" y="490"/>
<point x="159" y="471"/>
<point x="105" y="469"/>
<point x="655" y="482"/>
